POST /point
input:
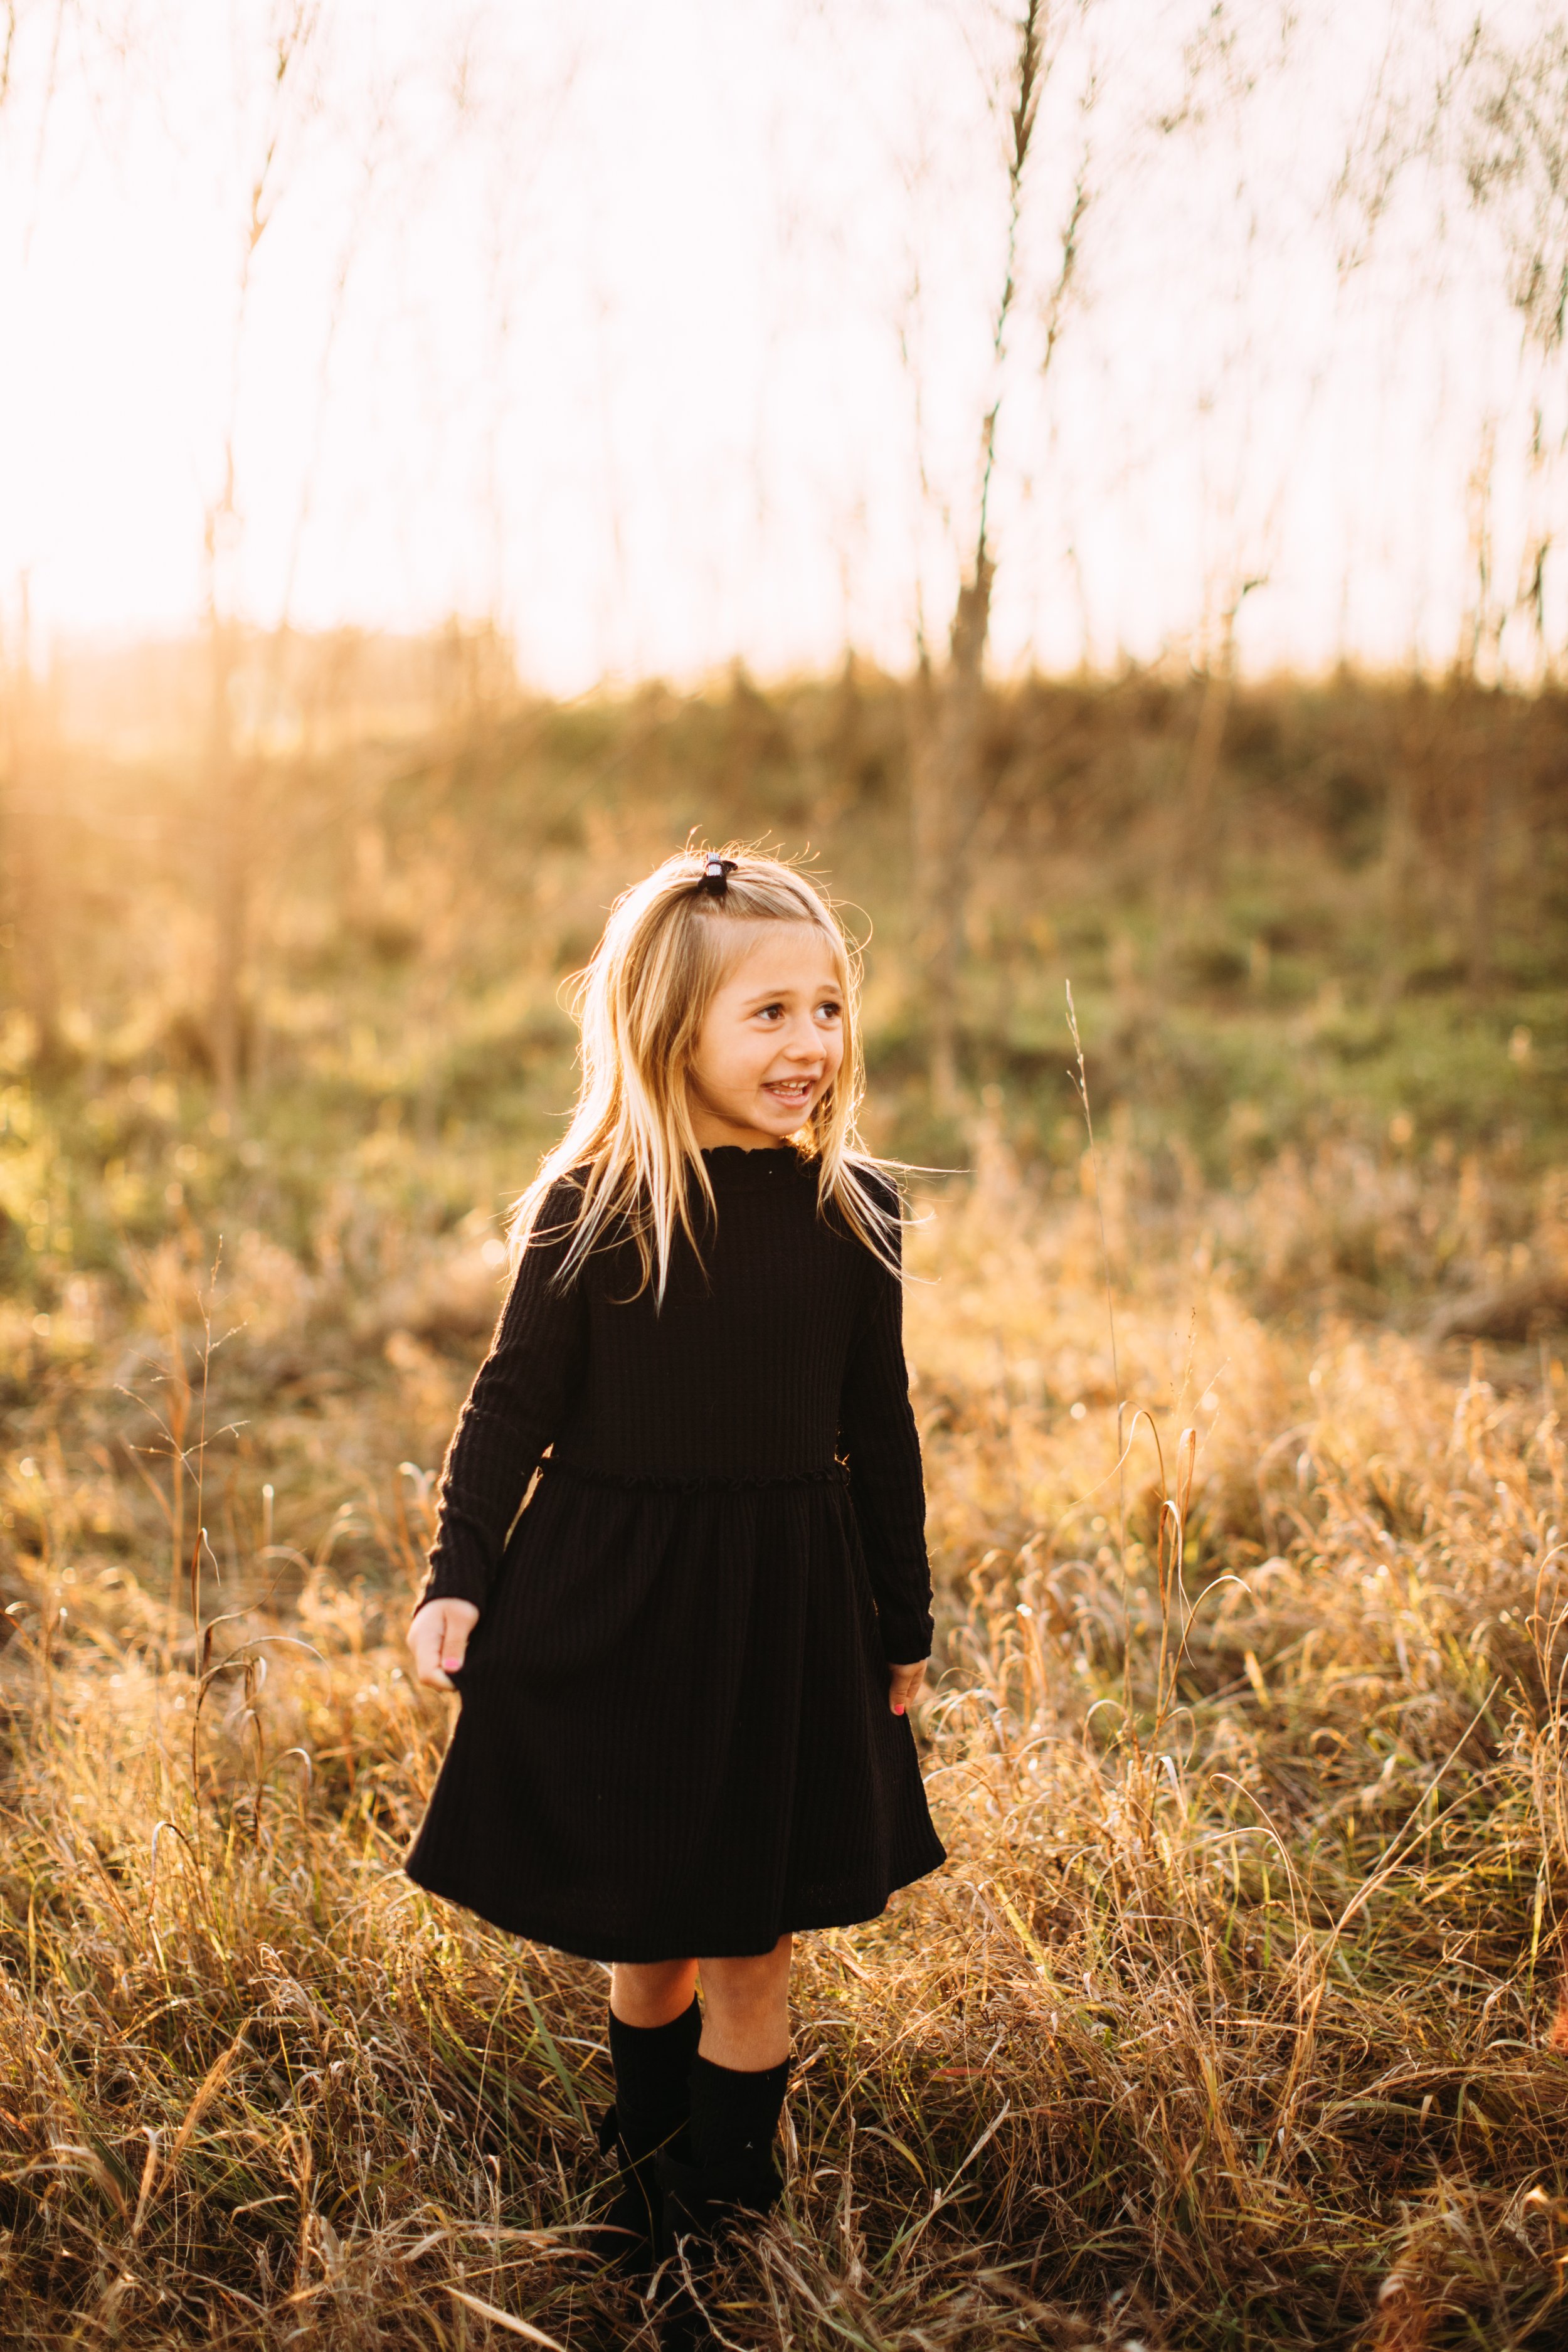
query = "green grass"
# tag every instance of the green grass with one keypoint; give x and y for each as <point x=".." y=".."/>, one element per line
<point x="1235" y="2019"/>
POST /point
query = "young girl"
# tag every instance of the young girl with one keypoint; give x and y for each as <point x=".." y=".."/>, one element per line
<point x="685" y="1666"/>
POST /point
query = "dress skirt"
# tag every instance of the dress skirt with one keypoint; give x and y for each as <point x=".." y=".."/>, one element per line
<point x="674" y="1738"/>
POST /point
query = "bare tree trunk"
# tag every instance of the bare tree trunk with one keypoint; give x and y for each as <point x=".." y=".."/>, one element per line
<point x="235" y="834"/>
<point x="945" y="781"/>
<point x="945" y="794"/>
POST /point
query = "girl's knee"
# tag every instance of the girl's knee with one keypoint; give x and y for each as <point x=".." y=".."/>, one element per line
<point x="746" y="2010"/>
<point x="651" y="1992"/>
<point x="747" y="1978"/>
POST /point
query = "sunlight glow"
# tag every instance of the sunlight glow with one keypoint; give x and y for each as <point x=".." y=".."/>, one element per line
<point x="663" y="338"/>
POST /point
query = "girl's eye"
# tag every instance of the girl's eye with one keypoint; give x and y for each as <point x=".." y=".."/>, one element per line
<point x="829" y="1011"/>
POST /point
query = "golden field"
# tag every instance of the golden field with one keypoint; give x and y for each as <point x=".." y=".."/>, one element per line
<point x="1234" y="2019"/>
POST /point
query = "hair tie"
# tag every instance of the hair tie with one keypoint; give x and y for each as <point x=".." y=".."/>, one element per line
<point x="716" y="875"/>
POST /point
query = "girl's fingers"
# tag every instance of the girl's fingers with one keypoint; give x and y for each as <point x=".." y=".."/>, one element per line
<point x="439" y="1638"/>
<point x="427" y="1659"/>
<point x="903" y="1682"/>
<point x="458" y="1620"/>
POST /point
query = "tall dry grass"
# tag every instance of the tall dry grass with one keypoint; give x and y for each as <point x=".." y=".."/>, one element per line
<point x="1233" y="2020"/>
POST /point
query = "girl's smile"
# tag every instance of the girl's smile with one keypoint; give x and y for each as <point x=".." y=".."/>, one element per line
<point x="773" y="1041"/>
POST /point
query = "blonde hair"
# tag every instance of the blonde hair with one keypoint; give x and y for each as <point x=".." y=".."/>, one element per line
<point x="641" y="1007"/>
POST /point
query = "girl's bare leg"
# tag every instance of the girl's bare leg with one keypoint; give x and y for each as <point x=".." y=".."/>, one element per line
<point x="745" y="2022"/>
<point x="652" y="1992"/>
<point x="746" y="2010"/>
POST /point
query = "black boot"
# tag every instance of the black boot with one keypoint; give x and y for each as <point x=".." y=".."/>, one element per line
<point x="731" y="2169"/>
<point x="729" y="2174"/>
<point x="652" y="2065"/>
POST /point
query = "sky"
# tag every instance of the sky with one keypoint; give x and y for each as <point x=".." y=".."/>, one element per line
<point x="664" y="337"/>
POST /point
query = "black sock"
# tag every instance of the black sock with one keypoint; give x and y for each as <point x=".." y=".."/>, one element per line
<point x="734" y="2115"/>
<point x="652" y="2064"/>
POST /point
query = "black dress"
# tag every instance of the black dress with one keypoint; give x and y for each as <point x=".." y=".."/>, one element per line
<point x="673" y="1739"/>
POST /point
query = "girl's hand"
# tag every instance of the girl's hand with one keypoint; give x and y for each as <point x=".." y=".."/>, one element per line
<point x="438" y="1637"/>
<point x="903" y="1682"/>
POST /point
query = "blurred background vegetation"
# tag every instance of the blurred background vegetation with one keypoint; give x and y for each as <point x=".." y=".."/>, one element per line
<point x="305" y="1004"/>
<point x="334" y="971"/>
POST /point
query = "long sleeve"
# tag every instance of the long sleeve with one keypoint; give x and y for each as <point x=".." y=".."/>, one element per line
<point x="882" y="1447"/>
<point x="514" y="1412"/>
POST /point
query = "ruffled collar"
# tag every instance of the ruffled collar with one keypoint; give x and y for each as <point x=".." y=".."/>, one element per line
<point x="732" y="1167"/>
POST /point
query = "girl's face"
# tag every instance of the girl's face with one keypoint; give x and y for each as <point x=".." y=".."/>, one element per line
<point x="773" y="1040"/>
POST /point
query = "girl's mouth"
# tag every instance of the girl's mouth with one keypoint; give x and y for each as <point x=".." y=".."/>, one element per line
<point x="794" y="1092"/>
